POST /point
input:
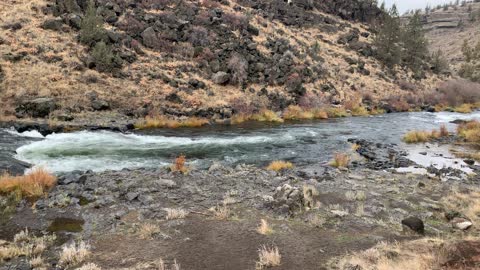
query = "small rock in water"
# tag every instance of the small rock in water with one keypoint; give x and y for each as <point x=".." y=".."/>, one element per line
<point x="423" y="153"/>
<point x="415" y="224"/>
<point x="469" y="161"/>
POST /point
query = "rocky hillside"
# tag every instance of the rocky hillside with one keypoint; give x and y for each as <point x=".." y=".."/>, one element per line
<point x="202" y="58"/>
<point x="447" y="30"/>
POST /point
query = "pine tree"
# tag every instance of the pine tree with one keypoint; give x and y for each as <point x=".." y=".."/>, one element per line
<point x="387" y="40"/>
<point x="471" y="68"/>
<point x="415" y="45"/>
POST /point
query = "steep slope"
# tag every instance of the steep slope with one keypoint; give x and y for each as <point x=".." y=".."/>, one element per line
<point x="193" y="58"/>
<point x="447" y="30"/>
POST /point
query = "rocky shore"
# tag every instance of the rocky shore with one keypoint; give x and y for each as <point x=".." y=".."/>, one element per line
<point x="317" y="213"/>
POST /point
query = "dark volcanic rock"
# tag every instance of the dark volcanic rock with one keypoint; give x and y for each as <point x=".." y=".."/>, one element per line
<point x="415" y="224"/>
<point x="12" y="166"/>
<point x="39" y="107"/>
<point x="381" y="156"/>
<point x="53" y="24"/>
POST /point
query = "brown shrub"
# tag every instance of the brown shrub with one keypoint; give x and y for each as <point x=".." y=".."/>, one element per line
<point x="179" y="165"/>
<point x="199" y="36"/>
<point x="236" y="20"/>
<point x="239" y="67"/>
<point x="406" y="85"/>
<point x="132" y="26"/>
<point x="457" y="92"/>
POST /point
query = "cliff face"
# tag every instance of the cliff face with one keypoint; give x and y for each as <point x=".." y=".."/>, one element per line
<point x="447" y="30"/>
<point x="192" y="58"/>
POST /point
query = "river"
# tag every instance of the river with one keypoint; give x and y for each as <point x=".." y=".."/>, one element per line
<point x="305" y="142"/>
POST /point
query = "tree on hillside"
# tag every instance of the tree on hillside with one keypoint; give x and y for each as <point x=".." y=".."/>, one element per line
<point x="439" y="63"/>
<point x="471" y="68"/>
<point x="387" y="41"/>
<point x="91" y="30"/>
<point x="415" y="46"/>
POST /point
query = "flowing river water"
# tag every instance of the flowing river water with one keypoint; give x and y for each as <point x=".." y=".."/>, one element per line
<point x="252" y="143"/>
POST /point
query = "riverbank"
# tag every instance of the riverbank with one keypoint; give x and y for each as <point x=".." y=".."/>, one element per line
<point x="208" y="219"/>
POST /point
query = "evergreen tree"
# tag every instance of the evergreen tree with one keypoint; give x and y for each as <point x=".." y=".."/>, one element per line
<point x="91" y="30"/>
<point x="387" y="40"/>
<point x="471" y="68"/>
<point x="415" y="45"/>
<point x="439" y="63"/>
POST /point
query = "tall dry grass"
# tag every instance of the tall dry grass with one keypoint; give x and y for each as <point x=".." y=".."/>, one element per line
<point x="32" y="186"/>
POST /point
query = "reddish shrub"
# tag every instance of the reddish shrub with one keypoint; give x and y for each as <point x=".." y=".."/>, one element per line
<point x="457" y="92"/>
<point x="311" y="101"/>
<point x="236" y="20"/>
<point x="199" y="36"/>
<point x="132" y="26"/>
<point x="239" y="67"/>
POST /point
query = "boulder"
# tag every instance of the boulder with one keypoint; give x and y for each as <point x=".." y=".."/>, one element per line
<point x="461" y="223"/>
<point x="39" y="107"/>
<point x="149" y="37"/>
<point x="52" y="24"/>
<point x="220" y="77"/>
<point x="415" y="224"/>
<point x="12" y="166"/>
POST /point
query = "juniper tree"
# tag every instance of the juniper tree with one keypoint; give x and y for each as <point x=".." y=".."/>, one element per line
<point x="471" y="68"/>
<point x="91" y="30"/>
<point x="415" y="45"/>
<point x="387" y="41"/>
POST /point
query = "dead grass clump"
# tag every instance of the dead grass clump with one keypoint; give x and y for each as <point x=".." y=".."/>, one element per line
<point x="421" y="136"/>
<point x="355" y="195"/>
<point x="148" y="230"/>
<point x="279" y="165"/>
<point x="337" y="113"/>
<point x="162" y="121"/>
<point x="420" y="254"/>
<point x="74" y="253"/>
<point x="466" y="203"/>
<point x="294" y="112"/>
<point x="31" y="186"/>
<point x="359" y="111"/>
<point x="470" y="131"/>
<point x="464" y="108"/>
<point x="89" y="266"/>
<point x="179" y="165"/>
<point x="175" y="213"/>
<point x="264" y="228"/>
<point x="36" y="262"/>
<point x="340" y="160"/>
<point x="266" y="116"/>
<point x="221" y="212"/>
<point x="268" y="257"/>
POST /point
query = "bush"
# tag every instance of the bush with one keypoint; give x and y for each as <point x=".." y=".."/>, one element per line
<point x="470" y="131"/>
<point x="105" y="60"/>
<point x="161" y="121"/>
<point x="340" y="160"/>
<point x="199" y="36"/>
<point x="179" y="165"/>
<point x="279" y="165"/>
<point x="457" y="92"/>
<point x="236" y="20"/>
<point x="239" y="68"/>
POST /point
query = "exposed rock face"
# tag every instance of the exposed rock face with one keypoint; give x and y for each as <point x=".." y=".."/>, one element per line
<point x="39" y="107"/>
<point x="12" y="166"/>
<point x="381" y="156"/>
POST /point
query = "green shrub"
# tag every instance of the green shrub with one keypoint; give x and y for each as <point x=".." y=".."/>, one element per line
<point x="104" y="58"/>
<point x="91" y="30"/>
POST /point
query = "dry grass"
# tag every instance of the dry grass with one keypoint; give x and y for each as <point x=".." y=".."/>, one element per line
<point x="464" y="108"/>
<point x="360" y="111"/>
<point x="262" y="116"/>
<point x="32" y="186"/>
<point x="161" y="121"/>
<point x="28" y="245"/>
<point x="74" y="253"/>
<point x="89" y="266"/>
<point x="264" y="228"/>
<point x="36" y="262"/>
<point x="221" y="212"/>
<point x="294" y="112"/>
<point x="421" y="254"/>
<point x="280" y="165"/>
<point x="337" y="113"/>
<point x="470" y="131"/>
<point x="340" y="160"/>
<point x="175" y="213"/>
<point x="466" y="203"/>
<point x="148" y="230"/>
<point x="421" y="136"/>
<point x="355" y="195"/>
<point x="179" y="165"/>
<point x="268" y="257"/>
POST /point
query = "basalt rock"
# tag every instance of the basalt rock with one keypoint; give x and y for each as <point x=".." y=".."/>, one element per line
<point x="415" y="224"/>
<point x="39" y="107"/>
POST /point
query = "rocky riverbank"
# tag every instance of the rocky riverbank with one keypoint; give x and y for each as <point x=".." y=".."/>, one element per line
<point x="207" y="219"/>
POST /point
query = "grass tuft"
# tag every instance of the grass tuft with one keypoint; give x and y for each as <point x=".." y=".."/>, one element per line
<point x="264" y="228"/>
<point x="470" y="131"/>
<point x="74" y="253"/>
<point x="179" y="165"/>
<point x="340" y="160"/>
<point x="175" y="213"/>
<point x="268" y="257"/>
<point x="31" y="186"/>
<point x="279" y="165"/>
